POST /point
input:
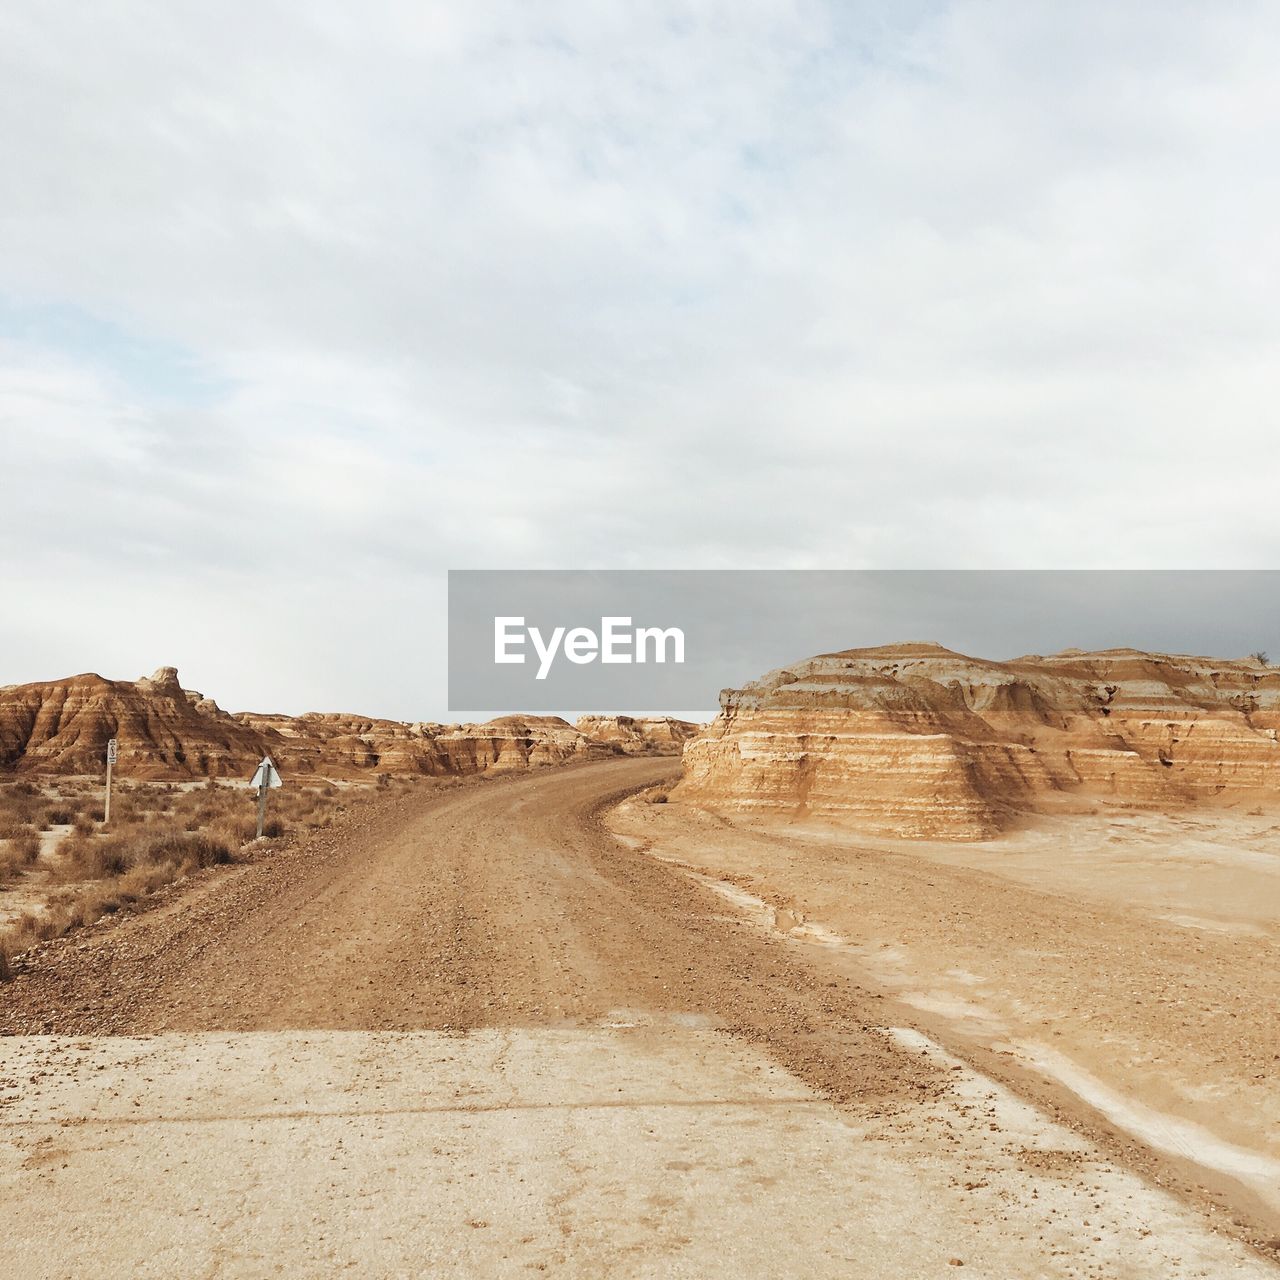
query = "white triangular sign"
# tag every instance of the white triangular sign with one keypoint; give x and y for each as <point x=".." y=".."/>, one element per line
<point x="266" y="774"/>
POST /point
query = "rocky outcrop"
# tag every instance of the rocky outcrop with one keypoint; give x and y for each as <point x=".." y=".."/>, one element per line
<point x="515" y="742"/>
<point x="916" y="740"/>
<point x="640" y="735"/>
<point x="62" y="726"/>
<point x="325" y="743"/>
<point x="165" y="731"/>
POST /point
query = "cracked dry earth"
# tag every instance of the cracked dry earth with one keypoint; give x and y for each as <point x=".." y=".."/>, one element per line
<point x="471" y="1033"/>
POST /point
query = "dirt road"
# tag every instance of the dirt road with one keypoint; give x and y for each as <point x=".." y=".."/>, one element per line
<point x="499" y="904"/>
<point x="380" y="1015"/>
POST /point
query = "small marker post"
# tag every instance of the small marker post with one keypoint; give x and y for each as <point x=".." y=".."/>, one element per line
<point x="111" y="759"/>
<point x="264" y="779"/>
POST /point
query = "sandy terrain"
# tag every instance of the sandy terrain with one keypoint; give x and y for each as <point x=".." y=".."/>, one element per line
<point x="1216" y="871"/>
<point x="471" y="1033"/>
<point x="1132" y="961"/>
<point x="651" y="1150"/>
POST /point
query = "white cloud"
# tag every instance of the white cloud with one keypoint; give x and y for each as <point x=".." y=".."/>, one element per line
<point x="767" y="283"/>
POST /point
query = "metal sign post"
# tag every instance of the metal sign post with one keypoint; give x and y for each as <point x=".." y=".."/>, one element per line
<point x="111" y="759"/>
<point x="264" y="779"/>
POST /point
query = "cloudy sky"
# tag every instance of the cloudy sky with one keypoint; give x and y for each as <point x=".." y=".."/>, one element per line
<point x="302" y="304"/>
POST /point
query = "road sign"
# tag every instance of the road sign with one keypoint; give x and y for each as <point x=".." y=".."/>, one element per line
<point x="267" y="776"/>
<point x="106" y="803"/>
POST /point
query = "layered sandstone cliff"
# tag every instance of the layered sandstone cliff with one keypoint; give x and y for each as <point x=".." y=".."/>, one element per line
<point x="62" y="726"/>
<point x="165" y="731"/>
<point x="640" y="735"/>
<point x="916" y="740"/>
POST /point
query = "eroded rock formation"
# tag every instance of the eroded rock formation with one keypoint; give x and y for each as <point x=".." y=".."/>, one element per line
<point x="916" y="740"/>
<point x="165" y="731"/>
<point x="640" y="735"/>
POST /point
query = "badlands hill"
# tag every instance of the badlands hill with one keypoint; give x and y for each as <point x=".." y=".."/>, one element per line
<point x="640" y="735"/>
<point x="916" y="740"/>
<point x="165" y="731"/>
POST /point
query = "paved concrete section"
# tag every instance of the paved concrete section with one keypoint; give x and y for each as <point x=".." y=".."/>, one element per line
<point x="643" y="1148"/>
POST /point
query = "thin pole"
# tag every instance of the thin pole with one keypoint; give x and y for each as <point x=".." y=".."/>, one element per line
<point x="106" y="808"/>
<point x="262" y="805"/>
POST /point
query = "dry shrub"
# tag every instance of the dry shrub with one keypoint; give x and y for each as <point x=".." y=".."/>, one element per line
<point x="21" y="802"/>
<point x="159" y="833"/>
<point x="21" y="807"/>
<point x="17" y="854"/>
<point x="121" y="870"/>
<point x="183" y="849"/>
<point x="30" y="928"/>
<point x="236" y="830"/>
<point x="104" y="857"/>
<point x="27" y="847"/>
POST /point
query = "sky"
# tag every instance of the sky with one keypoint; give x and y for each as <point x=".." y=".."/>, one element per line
<point x="304" y="304"/>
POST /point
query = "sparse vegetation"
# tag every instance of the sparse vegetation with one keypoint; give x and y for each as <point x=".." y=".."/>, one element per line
<point x="159" y="833"/>
<point x="17" y="854"/>
<point x="1260" y="656"/>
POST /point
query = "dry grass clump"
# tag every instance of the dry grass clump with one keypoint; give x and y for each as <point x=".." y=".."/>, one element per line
<point x="17" y="853"/>
<point x="227" y="811"/>
<point x="105" y="874"/>
<point x="22" y="808"/>
<point x="159" y="833"/>
<point x="104" y="857"/>
<point x="26" y="807"/>
<point x="75" y="908"/>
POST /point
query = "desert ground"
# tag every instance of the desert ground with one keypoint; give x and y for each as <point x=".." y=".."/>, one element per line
<point x="537" y="1023"/>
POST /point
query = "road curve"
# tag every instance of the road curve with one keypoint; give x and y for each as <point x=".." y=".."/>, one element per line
<point x="502" y="903"/>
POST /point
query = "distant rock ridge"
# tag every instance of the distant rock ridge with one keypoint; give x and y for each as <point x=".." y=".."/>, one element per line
<point x="167" y="732"/>
<point x="640" y="735"/>
<point x="916" y="740"/>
